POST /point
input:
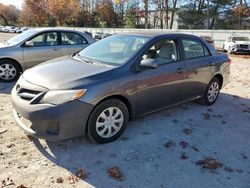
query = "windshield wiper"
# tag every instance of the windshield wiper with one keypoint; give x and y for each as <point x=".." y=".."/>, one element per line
<point x="95" y="61"/>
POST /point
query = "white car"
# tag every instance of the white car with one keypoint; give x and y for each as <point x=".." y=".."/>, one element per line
<point x="237" y="44"/>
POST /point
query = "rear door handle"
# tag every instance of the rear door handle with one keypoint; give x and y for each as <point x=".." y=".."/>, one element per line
<point x="180" y="70"/>
<point x="211" y="64"/>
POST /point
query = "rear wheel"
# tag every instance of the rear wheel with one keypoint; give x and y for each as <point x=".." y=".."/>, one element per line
<point x="108" y="121"/>
<point x="212" y="92"/>
<point x="9" y="70"/>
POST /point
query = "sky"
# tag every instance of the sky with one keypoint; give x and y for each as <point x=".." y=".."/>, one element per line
<point x="17" y="3"/>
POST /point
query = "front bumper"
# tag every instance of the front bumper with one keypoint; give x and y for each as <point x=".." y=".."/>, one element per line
<point x="240" y="50"/>
<point x="51" y="122"/>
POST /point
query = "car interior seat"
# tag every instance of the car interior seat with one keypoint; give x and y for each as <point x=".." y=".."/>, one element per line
<point x="166" y="53"/>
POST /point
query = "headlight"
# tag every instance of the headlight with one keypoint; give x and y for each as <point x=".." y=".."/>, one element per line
<point x="235" y="45"/>
<point x="62" y="96"/>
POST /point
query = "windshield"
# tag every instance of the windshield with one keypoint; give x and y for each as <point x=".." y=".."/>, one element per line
<point x="21" y="37"/>
<point x="114" y="50"/>
<point x="240" y="39"/>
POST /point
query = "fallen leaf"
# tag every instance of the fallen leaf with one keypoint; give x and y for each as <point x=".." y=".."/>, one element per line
<point x="73" y="179"/>
<point x="59" y="180"/>
<point x="243" y="156"/>
<point x="124" y="138"/>
<point x="30" y="137"/>
<point x="146" y="133"/>
<point x="209" y="110"/>
<point x="175" y="121"/>
<point x="21" y="186"/>
<point x="183" y="144"/>
<point x="183" y="156"/>
<point x="209" y="163"/>
<point x="80" y="174"/>
<point x="170" y="144"/>
<point x="187" y="131"/>
<point x="206" y="116"/>
<point x="3" y="131"/>
<point x="195" y="148"/>
<point x="239" y="171"/>
<point x="7" y="182"/>
<point x="10" y="145"/>
<point x="115" y="173"/>
<point x="228" y="169"/>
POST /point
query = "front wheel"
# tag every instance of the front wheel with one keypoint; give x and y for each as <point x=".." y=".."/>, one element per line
<point x="212" y="92"/>
<point x="108" y="121"/>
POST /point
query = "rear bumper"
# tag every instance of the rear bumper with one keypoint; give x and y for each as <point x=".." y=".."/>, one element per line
<point x="51" y="122"/>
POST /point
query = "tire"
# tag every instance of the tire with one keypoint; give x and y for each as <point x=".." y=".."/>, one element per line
<point x="212" y="92"/>
<point x="9" y="70"/>
<point x="106" y="131"/>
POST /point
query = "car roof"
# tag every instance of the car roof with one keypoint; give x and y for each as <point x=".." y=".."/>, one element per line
<point x="153" y="34"/>
<point x="56" y="29"/>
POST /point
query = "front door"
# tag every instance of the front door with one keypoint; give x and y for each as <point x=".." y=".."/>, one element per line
<point x="163" y="86"/>
<point x="43" y="47"/>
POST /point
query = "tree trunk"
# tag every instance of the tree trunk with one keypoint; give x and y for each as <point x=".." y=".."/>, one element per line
<point x="214" y="15"/>
<point x="146" y="13"/>
<point x="173" y="13"/>
<point x="4" y="19"/>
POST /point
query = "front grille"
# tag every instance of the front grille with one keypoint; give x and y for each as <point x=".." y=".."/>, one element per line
<point x="245" y="46"/>
<point x="27" y="94"/>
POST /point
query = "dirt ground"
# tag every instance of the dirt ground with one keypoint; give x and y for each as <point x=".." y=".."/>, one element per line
<point x="186" y="146"/>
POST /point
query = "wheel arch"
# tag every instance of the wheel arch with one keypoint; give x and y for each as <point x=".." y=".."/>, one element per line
<point x="10" y="59"/>
<point x="220" y="78"/>
<point x="122" y="98"/>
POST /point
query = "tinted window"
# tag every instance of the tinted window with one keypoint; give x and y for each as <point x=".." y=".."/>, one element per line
<point x="45" y="39"/>
<point x="193" y="49"/>
<point x="69" y="38"/>
<point x="165" y="51"/>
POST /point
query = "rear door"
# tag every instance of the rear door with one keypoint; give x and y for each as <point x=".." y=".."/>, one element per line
<point x="72" y="42"/>
<point x="45" y="47"/>
<point x="199" y="65"/>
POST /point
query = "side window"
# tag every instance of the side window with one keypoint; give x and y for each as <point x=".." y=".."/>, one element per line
<point x="164" y="51"/>
<point x="206" y="52"/>
<point x="193" y="48"/>
<point x="70" y="38"/>
<point x="45" y="39"/>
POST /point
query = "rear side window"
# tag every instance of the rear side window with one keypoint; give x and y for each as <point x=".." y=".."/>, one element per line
<point x="194" y="49"/>
<point x="70" y="38"/>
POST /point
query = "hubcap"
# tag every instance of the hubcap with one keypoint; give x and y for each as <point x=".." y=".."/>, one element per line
<point x="7" y="71"/>
<point x="109" y="122"/>
<point x="213" y="91"/>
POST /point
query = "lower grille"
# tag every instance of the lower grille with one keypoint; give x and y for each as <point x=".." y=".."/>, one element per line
<point x="245" y="46"/>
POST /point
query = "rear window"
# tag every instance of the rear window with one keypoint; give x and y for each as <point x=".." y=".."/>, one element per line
<point x="194" y="49"/>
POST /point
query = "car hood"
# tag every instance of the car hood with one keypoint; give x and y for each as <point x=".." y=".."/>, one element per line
<point x="3" y="45"/>
<point x="66" y="73"/>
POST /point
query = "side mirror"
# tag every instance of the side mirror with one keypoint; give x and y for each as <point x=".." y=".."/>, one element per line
<point x="29" y="43"/>
<point x="149" y="63"/>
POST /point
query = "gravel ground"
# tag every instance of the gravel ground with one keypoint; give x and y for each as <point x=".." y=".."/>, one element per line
<point x="186" y="146"/>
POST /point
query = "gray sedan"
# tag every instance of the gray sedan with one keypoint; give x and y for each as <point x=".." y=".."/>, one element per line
<point x="36" y="46"/>
<point x="98" y="90"/>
